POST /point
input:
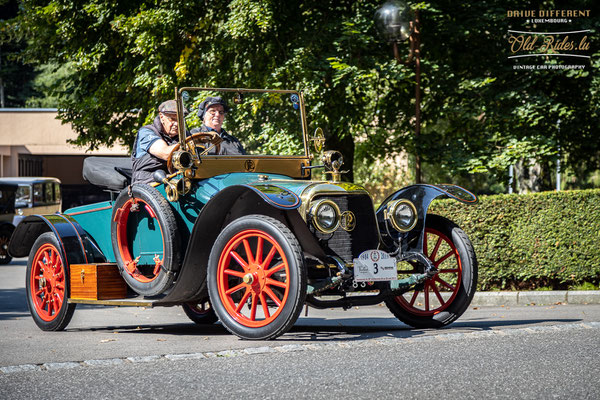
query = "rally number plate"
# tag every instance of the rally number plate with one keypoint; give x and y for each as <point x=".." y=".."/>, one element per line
<point x="375" y="266"/>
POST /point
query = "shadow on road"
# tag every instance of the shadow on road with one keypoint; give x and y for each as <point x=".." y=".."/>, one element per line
<point x="324" y="330"/>
<point x="13" y="304"/>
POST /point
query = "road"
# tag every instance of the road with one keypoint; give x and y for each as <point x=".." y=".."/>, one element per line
<point x="498" y="352"/>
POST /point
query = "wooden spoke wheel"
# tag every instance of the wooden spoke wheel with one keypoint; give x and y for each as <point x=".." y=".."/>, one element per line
<point x="257" y="279"/>
<point x="442" y="299"/>
<point x="145" y="240"/>
<point x="47" y="284"/>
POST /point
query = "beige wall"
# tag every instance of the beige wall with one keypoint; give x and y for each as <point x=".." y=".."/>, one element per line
<point x="37" y="132"/>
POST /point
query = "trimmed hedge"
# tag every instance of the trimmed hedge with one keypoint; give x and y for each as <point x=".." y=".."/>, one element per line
<point x="549" y="239"/>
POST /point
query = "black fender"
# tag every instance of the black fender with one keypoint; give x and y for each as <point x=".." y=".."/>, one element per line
<point x="421" y="196"/>
<point x="227" y="205"/>
<point x="76" y="245"/>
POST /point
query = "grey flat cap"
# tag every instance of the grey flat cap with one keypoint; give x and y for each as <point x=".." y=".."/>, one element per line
<point x="170" y="107"/>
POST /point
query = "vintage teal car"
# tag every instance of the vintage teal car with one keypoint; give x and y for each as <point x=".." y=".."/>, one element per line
<point x="251" y="239"/>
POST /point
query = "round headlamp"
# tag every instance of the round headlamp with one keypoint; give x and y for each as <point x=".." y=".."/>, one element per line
<point x="402" y="215"/>
<point x="325" y="215"/>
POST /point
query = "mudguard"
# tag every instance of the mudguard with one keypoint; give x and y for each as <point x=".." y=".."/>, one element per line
<point x="76" y="245"/>
<point x="421" y="196"/>
<point x="227" y="205"/>
<point x="276" y="196"/>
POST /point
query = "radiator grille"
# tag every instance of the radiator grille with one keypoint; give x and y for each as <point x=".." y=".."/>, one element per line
<point x="365" y="236"/>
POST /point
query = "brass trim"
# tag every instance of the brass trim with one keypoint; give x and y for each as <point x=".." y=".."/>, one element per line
<point x="392" y="209"/>
<point x="313" y="215"/>
<point x="318" y="140"/>
<point x="182" y="160"/>
<point x="249" y="165"/>
<point x="348" y="221"/>
<point x="304" y="125"/>
<point x="217" y="165"/>
<point x="327" y="188"/>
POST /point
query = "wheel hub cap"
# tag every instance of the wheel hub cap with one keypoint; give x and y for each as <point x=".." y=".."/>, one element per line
<point x="248" y="279"/>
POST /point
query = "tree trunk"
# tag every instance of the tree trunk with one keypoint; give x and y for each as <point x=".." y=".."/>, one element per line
<point x="344" y="145"/>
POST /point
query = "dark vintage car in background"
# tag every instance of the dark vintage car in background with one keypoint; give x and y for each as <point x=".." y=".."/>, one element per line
<point x="23" y="196"/>
<point x="7" y="216"/>
<point x="249" y="239"/>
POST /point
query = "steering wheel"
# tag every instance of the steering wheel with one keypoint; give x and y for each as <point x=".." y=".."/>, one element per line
<point x="198" y="144"/>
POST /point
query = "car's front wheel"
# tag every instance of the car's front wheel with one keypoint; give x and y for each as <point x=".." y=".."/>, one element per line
<point x="445" y="297"/>
<point x="257" y="278"/>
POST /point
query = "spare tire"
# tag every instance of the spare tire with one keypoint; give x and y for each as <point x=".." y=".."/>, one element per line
<point x="145" y="240"/>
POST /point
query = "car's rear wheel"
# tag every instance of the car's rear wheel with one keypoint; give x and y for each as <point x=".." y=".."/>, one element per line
<point x="47" y="284"/>
<point x="5" y="234"/>
<point x="201" y="312"/>
<point x="145" y="240"/>
<point x="257" y="278"/>
<point x="445" y="297"/>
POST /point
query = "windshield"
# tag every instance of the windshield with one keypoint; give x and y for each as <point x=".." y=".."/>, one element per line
<point x="265" y="123"/>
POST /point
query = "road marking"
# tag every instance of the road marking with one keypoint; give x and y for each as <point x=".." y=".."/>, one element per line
<point x="52" y="366"/>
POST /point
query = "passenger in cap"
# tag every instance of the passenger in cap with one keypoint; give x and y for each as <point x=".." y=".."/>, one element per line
<point x="154" y="143"/>
<point x="212" y="111"/>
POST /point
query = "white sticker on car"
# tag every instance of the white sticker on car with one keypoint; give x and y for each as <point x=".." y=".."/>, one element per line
<point x="375" y="265"/>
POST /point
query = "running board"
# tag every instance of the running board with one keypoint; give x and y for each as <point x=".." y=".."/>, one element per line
<point x="132" y="302"/>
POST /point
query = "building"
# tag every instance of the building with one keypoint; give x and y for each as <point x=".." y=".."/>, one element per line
<point x="33" y="142"/>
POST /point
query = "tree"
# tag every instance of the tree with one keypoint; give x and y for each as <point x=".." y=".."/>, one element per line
<point x="15" y="75"/>
<point x="478" y="114"/>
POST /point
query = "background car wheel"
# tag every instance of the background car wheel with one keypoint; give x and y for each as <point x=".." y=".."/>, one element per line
<point x="47" y="284"/>
<point x="442" y="299"/>
<point x="5" y="234"/>
<point x="257" y="278"/>
<point x="200" y="312"/>
<point x="145" y="240"/>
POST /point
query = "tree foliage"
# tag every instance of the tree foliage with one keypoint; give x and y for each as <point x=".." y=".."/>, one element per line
<point x="15" y="76"/>
<point x="478" y="114"/>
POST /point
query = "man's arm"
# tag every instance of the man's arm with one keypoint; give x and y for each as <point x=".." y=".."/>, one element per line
<point x="161" y="149"/>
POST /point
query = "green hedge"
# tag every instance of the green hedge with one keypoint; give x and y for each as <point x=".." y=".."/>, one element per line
<point x="529" y="241"/>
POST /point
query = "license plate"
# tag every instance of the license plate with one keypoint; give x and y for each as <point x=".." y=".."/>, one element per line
<point x="375" y="266"/>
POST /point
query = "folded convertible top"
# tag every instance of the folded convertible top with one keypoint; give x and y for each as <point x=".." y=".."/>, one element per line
<point x="112" y="173"/>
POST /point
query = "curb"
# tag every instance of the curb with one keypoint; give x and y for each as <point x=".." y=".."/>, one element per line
<point x="536" y="297"/>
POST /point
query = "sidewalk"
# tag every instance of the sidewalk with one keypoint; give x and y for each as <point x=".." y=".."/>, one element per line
<point x="536" y="298"/>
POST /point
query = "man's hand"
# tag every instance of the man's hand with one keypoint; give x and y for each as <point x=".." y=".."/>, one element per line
<point x="161" y="149"/>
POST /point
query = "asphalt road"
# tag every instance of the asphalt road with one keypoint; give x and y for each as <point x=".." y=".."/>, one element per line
<point x="501" y="352"/>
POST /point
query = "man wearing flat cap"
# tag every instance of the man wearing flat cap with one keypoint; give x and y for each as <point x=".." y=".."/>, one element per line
<point x="212" y="113"/>
<point x="154" y="143"/>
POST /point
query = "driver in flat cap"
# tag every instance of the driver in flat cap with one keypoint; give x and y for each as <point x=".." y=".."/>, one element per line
<point x="154" y="143"/>
<point x="212" y="112"/>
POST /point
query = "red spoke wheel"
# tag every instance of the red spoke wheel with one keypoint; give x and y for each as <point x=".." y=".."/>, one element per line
<point x="257" y="279"/>
<point x="145" y="240"/>
<point x="442" y="299"/>
<point x="47" y="284"/>
<point x="201" y="312"/>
